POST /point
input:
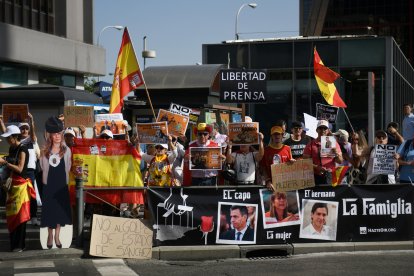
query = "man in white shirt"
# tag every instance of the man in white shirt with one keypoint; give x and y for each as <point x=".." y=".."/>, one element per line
<point x="318" y="229"/>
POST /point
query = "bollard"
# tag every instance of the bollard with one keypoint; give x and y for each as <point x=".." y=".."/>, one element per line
<point x="79" y="211"/>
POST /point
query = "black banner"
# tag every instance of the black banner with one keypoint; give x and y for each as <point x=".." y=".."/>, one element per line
<point x="326" y="112"/>
<point x="243" y="86"/>
<point x="197" y="216"/>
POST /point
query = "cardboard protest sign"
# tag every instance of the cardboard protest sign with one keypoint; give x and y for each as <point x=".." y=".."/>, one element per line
<point x="290" y="177"/>
<point x="326" y="112"/>
<point x="244" y="133"/>
<point x="120" y="238"/>
<point x="78" y="115"/>
<point x="152" y="133"/>
<point x="205" y="158"/>
<point x="328" y="144"/>
<point x="177" y="124"/>
<point x="384" y="161"/>
<point x="112" y="122"/>
<point x="15" y="113"/>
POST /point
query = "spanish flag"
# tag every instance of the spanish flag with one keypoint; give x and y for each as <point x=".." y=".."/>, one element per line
<point x="325" y="78"/>
<point x="338" y="175"/>
<point x="127" y="74"/>
<point x="18" y="202"/>
<point x="107" y="164"/>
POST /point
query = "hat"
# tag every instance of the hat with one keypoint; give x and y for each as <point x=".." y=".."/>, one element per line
<point x="276" y="129"/>
<point x="53" y="125"/>
<point x="248" y="119"/>
<point x="322" y="123"/>
<point x="202" y="127"/>
<point x="296" y="124"/>
<point x="165" y="146"/>
<point x="342" y="133"/>
<point x="380" y="133"/>
<point x="10" y="130"/>
<point x="70" y="131"/>
<point x="107" y="132"/>
<point x="23" y="124"/>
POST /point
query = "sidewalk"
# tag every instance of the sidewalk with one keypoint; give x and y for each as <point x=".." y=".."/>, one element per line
<point x="214" y="252"/>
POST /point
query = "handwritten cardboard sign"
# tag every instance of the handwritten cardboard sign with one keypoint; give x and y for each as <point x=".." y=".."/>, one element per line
<point x="120" y="238"/>
<point x="205" y="158"/>
<point x="78" y="115"/>
<point x="244" y="133"/>
<point x="15" y="113"/>
<point x="152" y="133"/>
<point x="177" y="124"/>
<point x="289" y="177"/>
<point x="384" y="162"/>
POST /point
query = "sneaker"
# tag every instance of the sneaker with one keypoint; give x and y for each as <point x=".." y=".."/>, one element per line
<point x="35" y="221"/>
<point x="17" y="250"/>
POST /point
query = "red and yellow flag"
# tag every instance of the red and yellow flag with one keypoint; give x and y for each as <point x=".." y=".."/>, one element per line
<point x="18" y="202"/>
<point x="325" y="78"/>
<point x="338" y="175"/>
<point x="107" y="164"/>
<point x="127" y="74"/>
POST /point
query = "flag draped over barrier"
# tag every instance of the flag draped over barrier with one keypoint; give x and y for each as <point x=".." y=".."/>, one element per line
<point x="325" y="78"/>
<point x="127" y="74"/>
<point x="107" y="164"/>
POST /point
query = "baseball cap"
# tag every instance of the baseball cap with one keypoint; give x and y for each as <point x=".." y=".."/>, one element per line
<point x="107" y="132"/>
<point x="322" y="123"/>
<point x="10" y="130"/>
<point x="70" y="131"/>
<point x="165" y="146"/>
<point x="24" y="124"/>
<point x="342" y="133"/>
<point x="248" y="119"/>
<point x="276" y="129"/>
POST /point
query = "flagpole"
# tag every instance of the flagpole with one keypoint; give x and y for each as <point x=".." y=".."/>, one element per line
<point x="346" y="115"/>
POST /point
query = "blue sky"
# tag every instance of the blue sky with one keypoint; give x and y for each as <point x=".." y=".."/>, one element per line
<point x="176" y="29"/>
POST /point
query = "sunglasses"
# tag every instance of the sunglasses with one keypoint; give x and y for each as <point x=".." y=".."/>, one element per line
<point x="24" y="128"/>
<point x="105" y="137"/>
<point x="159" y="147"/>
<point x="297" y="128"/>
<point x="323" y="128"/>
<point x="202" y="133"/>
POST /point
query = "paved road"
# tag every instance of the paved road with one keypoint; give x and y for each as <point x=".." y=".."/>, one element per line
<point x="356" y="263"/>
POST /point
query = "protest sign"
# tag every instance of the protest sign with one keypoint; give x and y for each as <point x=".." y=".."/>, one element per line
<point x="152" y="133"/>
<point x="384" y="162"/>
<point x="311" y="124"/>
<point x="112" y="122"/>
<point x="179" y="109"/>
<point x="243" y="86"/>
<point x="177" y="124"/>
<point x="244" y="133"/>
<point x="78" y="115"/>
<point x="326" y="112"/>
<point x="205" y="158"/>
<point x="328" y="144"/>
<point x="290" y="177"/>
<point x="15" y="113"/>
<point x="120" y="238"/>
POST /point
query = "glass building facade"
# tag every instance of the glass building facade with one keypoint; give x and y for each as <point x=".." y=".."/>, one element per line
<point x="292" y="89"/>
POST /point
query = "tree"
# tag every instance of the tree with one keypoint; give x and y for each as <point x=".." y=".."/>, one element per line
<point x="89" y="84"/>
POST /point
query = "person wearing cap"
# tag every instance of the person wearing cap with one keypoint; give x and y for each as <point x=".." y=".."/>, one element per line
<point x="342" y="137"/>
<point x="159" y="171"/>
<point x="297" y="142"/>
<point x="106" y="134"/>
<point x="56" y="164"/>
<point x="21" y="189"/>
<point x="275" y="153"/>
<point x="69" y="135"/>
<point x="322" y="166"/>
<point x="200" y="177"/>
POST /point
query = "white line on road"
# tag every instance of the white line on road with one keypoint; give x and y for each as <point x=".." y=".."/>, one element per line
<point x="37" y="264"/>
<point x="112" y="267"/>
<point x="38" y="274"/>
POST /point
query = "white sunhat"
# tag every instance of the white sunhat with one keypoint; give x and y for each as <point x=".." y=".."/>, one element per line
<point x="10" y="130"/>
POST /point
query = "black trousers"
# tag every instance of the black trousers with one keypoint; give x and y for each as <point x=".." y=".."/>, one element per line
<point x="18" y="237"/>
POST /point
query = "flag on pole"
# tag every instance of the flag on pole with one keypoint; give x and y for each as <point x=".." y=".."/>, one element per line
<point x="127" y="74"/>
<point x="338" y="175"/>
<point x="325" y="78"/>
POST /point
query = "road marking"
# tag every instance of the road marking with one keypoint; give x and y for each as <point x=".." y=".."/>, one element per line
<point x="37" y="264"/>
<point x="112" y="267"/>
<point x="38" y="274"/>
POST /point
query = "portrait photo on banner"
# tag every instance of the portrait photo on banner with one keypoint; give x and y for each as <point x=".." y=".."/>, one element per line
<point x="279" y="208"/>
<point x="236" y="223"/>
<point x="319" y="219"/>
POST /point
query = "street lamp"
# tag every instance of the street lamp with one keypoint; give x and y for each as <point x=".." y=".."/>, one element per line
<point x="147" y="53"/>
<point x="251" y="5"/>
<point x="108" y="27"/>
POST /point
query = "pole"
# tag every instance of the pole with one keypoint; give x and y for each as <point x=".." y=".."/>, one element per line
<point x="79" y="210"/>
<point x="349" y="122"/>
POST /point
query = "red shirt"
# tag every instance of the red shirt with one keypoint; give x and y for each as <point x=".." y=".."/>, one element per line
<point x="313" y="149"/>
<point x="270" y="153"/>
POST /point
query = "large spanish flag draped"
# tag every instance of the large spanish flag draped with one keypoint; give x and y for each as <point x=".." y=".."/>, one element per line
<point x="338" y="175"/>
<point x="325" y="78"/>
<point x="18" y="202"/>
<point x="107" y="164"/>
<point x="127" y="74"/>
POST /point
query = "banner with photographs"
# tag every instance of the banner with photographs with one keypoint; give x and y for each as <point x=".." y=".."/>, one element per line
<point x="15" y="113"/>
<point x="177" y="124"/>
<point x="201" y="216"/>
<point x="208" y="158"/>
<point x="384" y="161"/>
<point x="152" y="133"/>
<point x="78" y="115"/>
<point x="295" y="176"/>
<point x="326" y="112"/>
<point x="244" y="133"/>
<point x="112" y="122"/>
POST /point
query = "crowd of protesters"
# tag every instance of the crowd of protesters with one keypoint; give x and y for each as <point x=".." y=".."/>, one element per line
<point x="166" y="165"/>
